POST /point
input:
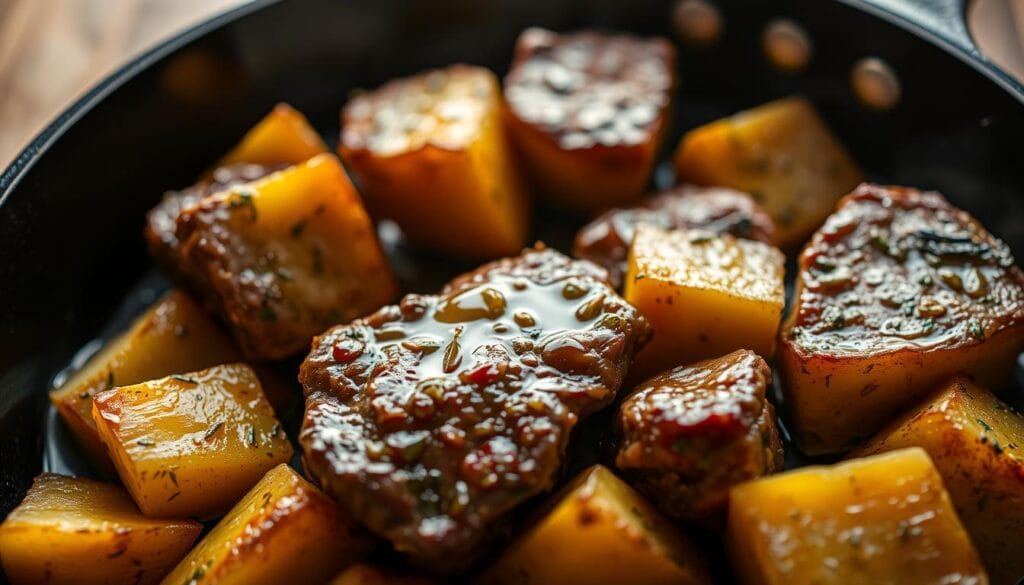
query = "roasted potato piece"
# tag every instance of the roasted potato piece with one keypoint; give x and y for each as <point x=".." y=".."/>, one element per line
<point x="83" y="532"/>
<point x="588" y="112"/>
<point x="689" y="434"/>
<point x="782" y="153"/>
<point x="897" y="292"/>
<point x="704" y="294"/>
<point x="430" y="153"/>
<point x="605" y="241"/>
<point x="598" y="530"/>
<point x="435" y="419"/>
<point x="285" y="257"/>
<point x="881" y="520"/>
<point x="363" y="574"/>
<point x="190" y="445"/>
<point x="174" y="335"/>
<point x="977" y="444"/>
<point x="284" y="137"/>
<point x="284" y="530"/>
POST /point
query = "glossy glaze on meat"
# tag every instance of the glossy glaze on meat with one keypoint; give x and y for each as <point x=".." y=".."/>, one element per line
<point x="162" y="220"/>
<point x="433" y="419"/>
<point x="895" y="268"/>
<point x="689" y="434"/>
<point x="605" y="241"/>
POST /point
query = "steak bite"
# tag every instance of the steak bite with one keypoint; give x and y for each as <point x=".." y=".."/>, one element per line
<point x="433" y="419"/>
<point x="588" y="112"/>
<point x="605" y="241"/>
<point x="689" y="434"/>
<point x="898" y="291"/>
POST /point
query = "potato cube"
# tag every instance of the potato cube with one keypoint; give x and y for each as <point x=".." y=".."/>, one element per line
<point x="191" y="444"/>
<point x="430" y="153"/>
<point x="599" y="530"/>
<point x="174" y="335"/>
<point x="284" y="136"/>
<point x="284" y="530"/>
<point x="977" y="444"/>
<point x="363" y="574"/>
<point x="83" y="532"/>
<point x="876" y="521"/>
<point x="705" y="295"/>
<point x="588" y="112"/>
<point x="783" y="154"/>
<point x="283" y="258"/>
<point x="896" y="293"/>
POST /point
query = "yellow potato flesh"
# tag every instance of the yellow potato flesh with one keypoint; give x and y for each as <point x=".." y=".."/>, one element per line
<point x="876" y="521"/>
<point x="977" y="444"/>
<point x="83" y="532"/>
<point x="599" y="531"/>
<point x="173" y="336"/>
<point x="705" y="296"/>
<point x="781" y="153"/>
<point x="284" y="530"/>
<point x="191" y="444"/>
<point x="284" y="136"/>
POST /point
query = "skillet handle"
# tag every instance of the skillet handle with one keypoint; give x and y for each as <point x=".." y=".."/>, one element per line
<point x="943" y="20"/>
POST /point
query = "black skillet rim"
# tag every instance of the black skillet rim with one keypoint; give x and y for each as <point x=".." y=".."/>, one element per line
<point x="956" y="45"/>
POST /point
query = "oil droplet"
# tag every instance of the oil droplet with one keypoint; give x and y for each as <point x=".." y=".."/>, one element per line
<point x="875" y="83"/>
<point x="697" y="22"/>
<point x="787" y="45"/>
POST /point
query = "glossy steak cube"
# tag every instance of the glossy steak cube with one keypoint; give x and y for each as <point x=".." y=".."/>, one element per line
<point x="588" y="111"/>
<point x="690" y="434"/>
<point x="433" y="419"/>
<point x="898" y="291"/>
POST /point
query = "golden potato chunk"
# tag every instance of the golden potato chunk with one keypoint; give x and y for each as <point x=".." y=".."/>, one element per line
<point x="977" y="444"/>
<point x="191" y="444"/>
<point x="705" y="295"/>
<point x="598" y="530"/>
<point x="875" y="521"/>
<point x="588" y="112"/>
<point x="783" y="154"/>
<point x="430" y="153"/>
<point x="363" y="574"/>
<point x="605" y="241"/>
<point x="689" y="434"/>
<point x="284" y="530"/>
<point x="83" y="532"/>
<point x="174" y="335"/>
<point x="897" y="292"/>
<point x="283" y="258"/>
<point x="284" y="137"/>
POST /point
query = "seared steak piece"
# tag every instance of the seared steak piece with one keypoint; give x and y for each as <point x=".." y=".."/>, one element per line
<point x="433" y="419"/>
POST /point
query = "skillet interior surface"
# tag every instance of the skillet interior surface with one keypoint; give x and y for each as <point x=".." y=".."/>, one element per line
<point x="70" y="229"/>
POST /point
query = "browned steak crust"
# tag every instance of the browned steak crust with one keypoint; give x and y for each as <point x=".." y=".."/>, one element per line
<point x="433" y="419"/>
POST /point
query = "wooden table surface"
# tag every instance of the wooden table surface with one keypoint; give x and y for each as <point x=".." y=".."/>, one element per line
<point x="53" y="50"/>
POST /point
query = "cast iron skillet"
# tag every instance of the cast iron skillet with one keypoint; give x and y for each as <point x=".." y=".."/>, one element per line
<point x="72" y="204"/>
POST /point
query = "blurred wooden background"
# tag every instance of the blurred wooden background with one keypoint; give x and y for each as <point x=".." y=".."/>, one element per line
<point x="53" y="50"/>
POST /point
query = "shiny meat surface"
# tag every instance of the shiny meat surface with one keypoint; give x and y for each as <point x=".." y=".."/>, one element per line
<point x="433" y="419"/>
<point x="605" y="241"/>
<point x="590" y="89"/>
<point x="896" y="268"/>
<point x="693" y="432"/>
<point x="161" y="221"/>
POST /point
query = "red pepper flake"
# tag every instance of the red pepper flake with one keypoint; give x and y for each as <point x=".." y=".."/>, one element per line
<point x="484" y="374"/>
<point x="347" y="350"/>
